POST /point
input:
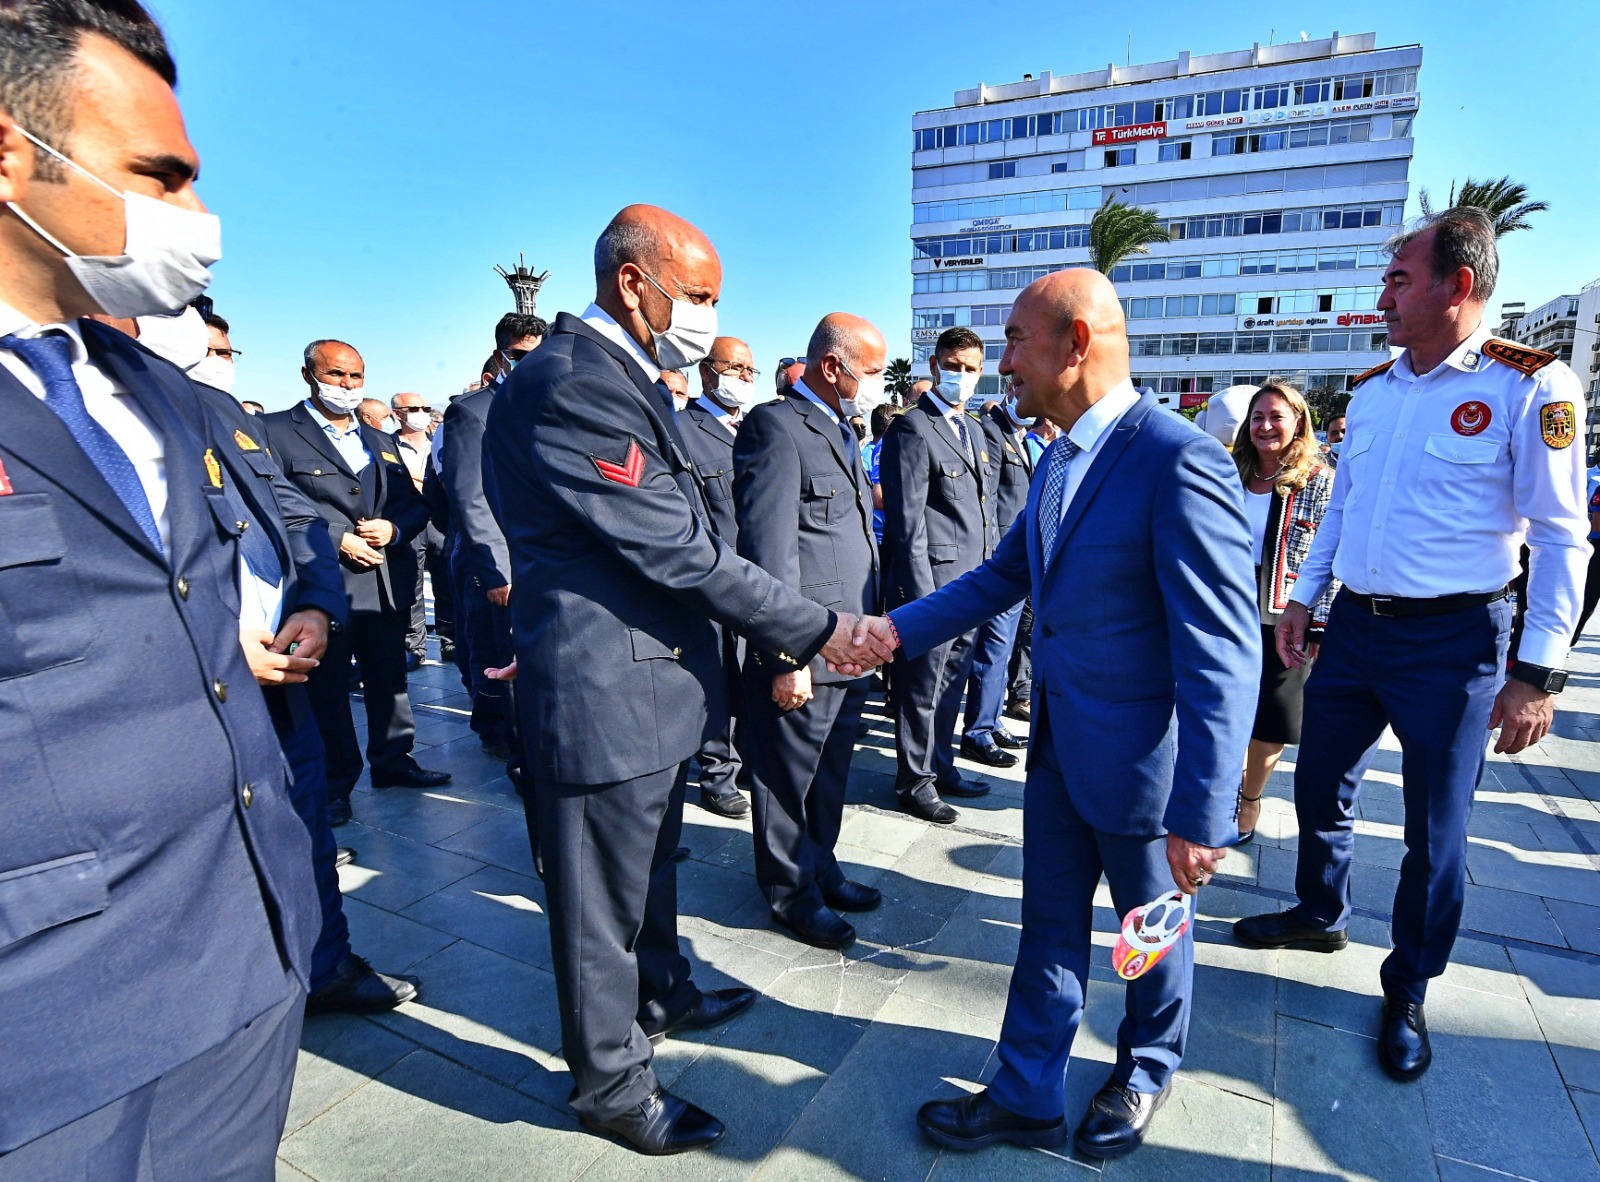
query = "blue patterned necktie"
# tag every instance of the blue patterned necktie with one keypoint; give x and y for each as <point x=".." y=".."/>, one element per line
<point x="50" y="358"/>
<point x="1055" y="486"/>
<point x="959" y="422"/>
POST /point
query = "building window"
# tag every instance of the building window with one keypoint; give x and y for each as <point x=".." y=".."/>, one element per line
<point x="1001" y="170"/>
<point x="1175" y="150"/>
<point x="1119" y="157"/>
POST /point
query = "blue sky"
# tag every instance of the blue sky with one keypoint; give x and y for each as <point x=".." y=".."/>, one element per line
<point x="372" y="161"/>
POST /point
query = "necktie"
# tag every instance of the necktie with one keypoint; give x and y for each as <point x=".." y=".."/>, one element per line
<point x="50" y="357"/>
<point x="257" y="550"/>
<point x="1055" y="485"/>
<point x="959" y="422"/>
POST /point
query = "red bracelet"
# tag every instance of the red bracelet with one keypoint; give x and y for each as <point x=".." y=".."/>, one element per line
<point x="893" y="631"/>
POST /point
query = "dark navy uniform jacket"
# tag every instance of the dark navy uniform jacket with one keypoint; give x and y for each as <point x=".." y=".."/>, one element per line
<point x="483" y="544"/>
<point x="710" y="447"/>
<point x="1016" y="468"/>
<point x="155" y="882"/>
<point x="620" y="580"/>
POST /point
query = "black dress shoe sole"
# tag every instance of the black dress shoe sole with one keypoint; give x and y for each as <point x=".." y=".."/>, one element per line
<point x="665" y="1151"/>
<point x="1050" y="1138"/>
<point x="814" y="941"/>
<point x="408" y="782"/>
<point x="1331" y="942"/>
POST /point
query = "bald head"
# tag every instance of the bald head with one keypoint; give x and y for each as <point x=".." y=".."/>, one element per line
<point x="1066" y="345"/>
<point x="843" y="350"/>
<point x="730" y="361"/>
<point x="374" y="413"/>
<point x="646" y="259"/>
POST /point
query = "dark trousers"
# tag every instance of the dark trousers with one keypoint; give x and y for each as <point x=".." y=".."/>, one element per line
<point x="801" y="760"/>
<point x="1022" y="657"/>
<point x="486" y="631"/>
<point x="457" y="575"/>
<point x="991" y="675"/>
<point x="722" y="768"/>
<point x="429" y="547"/>
<point x="1063" y="858"/>
<point x="308" y="793"/>
<point x="927" y="700"/>
<point x="218" y="1117"/>
<point x="1434" y="679"/>
<point x="378" y="641"/>
<point x="612" y="890"/>
<point x="1591" y="590"/>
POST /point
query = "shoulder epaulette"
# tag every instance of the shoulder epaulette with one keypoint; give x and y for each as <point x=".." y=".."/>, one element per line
<point x="1371" y="373"/>
<point x="1524" y="360"/>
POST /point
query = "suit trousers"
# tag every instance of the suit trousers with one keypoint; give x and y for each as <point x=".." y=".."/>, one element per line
<point x="1434" y="680"/>
<point x="378" y="641"/>
<point x="459" y="584"/>
<point x="429" y="547"/>
<point x="1063" y="857"/>
<point x="991" y="674"/>
<point x="612" y="890"/>
<point x="721" y="766"/>
<point x="800" y="759"/>
<point x="483" y="635"/>
<point x="1022" y="657"/>
<point x="217" y="1117"/>
<point x="927" y="701"/>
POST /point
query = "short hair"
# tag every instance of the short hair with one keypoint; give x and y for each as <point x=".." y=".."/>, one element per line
<point x="833" y="337"/>
<point x="490" y="364"/>
<point x="882" y="415"/>
<point x="514" y="326"/>
<point x="624" y="242"/>
<point x="218" y="323"/>
<point x="317" y="344"/>
<point x="1464" y="237"/>
<point x="39" y="40"/>
<point x="249" y="402"/>
<point x="953" y="340"/>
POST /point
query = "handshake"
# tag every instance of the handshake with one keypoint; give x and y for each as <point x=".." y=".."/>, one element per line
<point x="859" y="644"/>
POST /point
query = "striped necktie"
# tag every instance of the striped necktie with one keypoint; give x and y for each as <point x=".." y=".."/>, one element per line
<point x="1055" y="486"/>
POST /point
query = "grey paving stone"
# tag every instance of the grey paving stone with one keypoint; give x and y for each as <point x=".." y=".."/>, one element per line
<point x="1572" y="879"/>
<point x="472" y="771"/>
<point x="418" y="815"/>
<point x="394" y="872"/>
<point x="287" y="1173"/>
<point x="854" y="984"/>
<point x="1565" y="995"/>
<point x="714" y="893"/>
<point x="494" y="908"/>
<point x="429" y="1120"/>
<point x="339" y="1053"/>
<point x="1509" y="913"/>
<point x="1202" y="1132"/>
<point x="1588" y="1106"/>
<point x="1337" y="989"/>
<point x="1579" y="923"/>
<point x="500" y="839"/>
<point x="391" y="942"/>
<point x="1232" y="1031"/>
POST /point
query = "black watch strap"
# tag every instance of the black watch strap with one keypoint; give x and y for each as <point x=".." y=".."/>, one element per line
<point x="1551" y="681"/>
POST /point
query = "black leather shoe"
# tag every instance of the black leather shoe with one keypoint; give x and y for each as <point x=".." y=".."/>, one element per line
<point x="1287" y="929"/>
<point x="969" y="787"/>
<point x="500" y="751"/>
<point x="715" y="1007"/>
<point x="820" y="929"/>
<point x="925" y="803"/>
<point x="339" y="811"/>
<point x="360" y="989"/>
<point x="1403" y="1047"/>
<point x="975" y="1121"/>
<point x="728" y="803"/>
<point x="343" y="856"/>
<point x="1021" y="710"/>
<point x="852" y="896"/>
<point x="988" y="754"/>
<point x="413" y="662"/>
<point x="1117" y="1120"/>
<point x="447" y="652"/>
<point x="662" y="1124"/>
<point x="1004" y="738"/>
<point x="408" y="775"/>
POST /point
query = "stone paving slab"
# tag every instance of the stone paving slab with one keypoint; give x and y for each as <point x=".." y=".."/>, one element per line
<point x="822" y="1078"/>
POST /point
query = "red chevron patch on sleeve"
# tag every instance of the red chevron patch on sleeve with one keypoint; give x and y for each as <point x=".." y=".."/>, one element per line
<point x="629" y="472"/>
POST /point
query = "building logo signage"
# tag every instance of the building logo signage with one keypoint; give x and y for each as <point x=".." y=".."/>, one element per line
<point x="1129" y="135"/>
<point x="924" y="336"/>
<point x="958" y="262"/>
<point x="1214" y="124"/>
<point x="979" y="225"/>
<point x="1358" y="319"/>
<point x="1250" y="322"/>
<point x="1363" y="105"/>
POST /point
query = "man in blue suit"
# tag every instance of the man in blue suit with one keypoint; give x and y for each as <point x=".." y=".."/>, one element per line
<point x="1135" y="549"/>
<point x="156" y="901"/>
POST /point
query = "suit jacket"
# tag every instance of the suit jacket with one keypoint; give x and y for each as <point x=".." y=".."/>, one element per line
<point x="805" y="514"/>
<point x="154" y="878"/>
<point x="939" y="519"/>
<point x="483" y="544"/>
<point x="1016" y="468"/>
<point x="382" y="489"/>
<point x="1146" y="643"/>
<point x="710" y="448"/>
<point x="620" y="578"/>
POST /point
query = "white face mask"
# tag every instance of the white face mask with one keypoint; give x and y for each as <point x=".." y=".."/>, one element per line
<point x="217" y="372"/>
<point x="166" y="259"/>
<point x="734" y="392"/>
<point x="868" y="396"/>
<point x="183" y="339"/>
<point x="689" y="333"/>
<point x="338" y="399"/>
<point x="418" y="420"/>
<point x="1011" y="412"/>
<point x="956" y="388"/>
<point x="389" y="426"/>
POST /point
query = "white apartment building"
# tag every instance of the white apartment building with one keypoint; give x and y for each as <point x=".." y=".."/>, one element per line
<point x="1280" y="171"/>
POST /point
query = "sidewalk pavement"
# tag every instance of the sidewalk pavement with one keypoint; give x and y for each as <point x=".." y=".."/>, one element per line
<point x="822" y="1078"/>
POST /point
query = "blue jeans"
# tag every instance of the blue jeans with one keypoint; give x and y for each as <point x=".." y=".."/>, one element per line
<point x="991" y="671"/>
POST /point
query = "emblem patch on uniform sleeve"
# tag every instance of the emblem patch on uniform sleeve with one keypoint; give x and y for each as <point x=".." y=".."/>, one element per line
<point x="629" y="472"/>
<point x="1558" y="423"/>
<point x="244" y="442"/>
<point x="1471" y="418"/>
<point x="5" y="482"/>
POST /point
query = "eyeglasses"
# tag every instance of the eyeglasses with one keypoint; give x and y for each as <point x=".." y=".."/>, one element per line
<point x="748" y="372"/>
<point x="406" y="410"/>
<point x="786" y="362"/>
<point x="230" y="354"/>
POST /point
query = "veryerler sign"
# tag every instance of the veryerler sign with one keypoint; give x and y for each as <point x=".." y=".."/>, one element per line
<point x="1128" y="135"/>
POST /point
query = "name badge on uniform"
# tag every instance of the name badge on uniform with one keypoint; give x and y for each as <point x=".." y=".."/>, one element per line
<point x="213" y="469"/>
<point x="390" y="458"/>
<point x="244" y="442"/>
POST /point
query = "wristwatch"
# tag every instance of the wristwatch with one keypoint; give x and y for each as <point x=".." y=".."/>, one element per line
<point x="1551" y="681"/>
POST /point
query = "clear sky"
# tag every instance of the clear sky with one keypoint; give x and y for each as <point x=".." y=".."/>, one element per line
<point x="372" y="161"/>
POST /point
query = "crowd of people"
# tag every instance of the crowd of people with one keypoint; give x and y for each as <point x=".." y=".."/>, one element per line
<point x="636" y="580"/>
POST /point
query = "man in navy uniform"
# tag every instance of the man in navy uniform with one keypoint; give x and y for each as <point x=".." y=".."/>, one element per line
<point x="805" y="515"/>
<point x="355" y="477"/>
<point x="709" y="425"/>
<point x="1142" y="707"/>
<point x="1457" y="451"/>
<point x="621" y="585"/>
<point x="156" y="901"/>
<point x="939" y="522"/>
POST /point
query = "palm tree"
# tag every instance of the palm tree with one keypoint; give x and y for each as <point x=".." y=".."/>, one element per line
<point x="1503" y="200"/>
<point x="1120" y="230"/>
<point x="897" y="377"/>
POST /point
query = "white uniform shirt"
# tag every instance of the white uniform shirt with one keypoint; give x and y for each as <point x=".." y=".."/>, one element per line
<point x="727" y="418"/>
<point x="1441" y="477"/>
<point x="804" y="390"/>
<point x="951" y="413"/>
<point x="600" y="320"/>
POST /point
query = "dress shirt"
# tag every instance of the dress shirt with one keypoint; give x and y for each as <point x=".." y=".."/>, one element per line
<point x="1035" y="446"/>
<point x="415" y="458"/>
<point x="1090" y="433"/>
<point x="111" y="405"/>
<point x="600" y="320"/>
<point x="805" y="391"/>
<point x="726" y="417"/>
<point x="347" y="443"/>
<point x="1433" y="496"/>
<point x="950" y="413"/>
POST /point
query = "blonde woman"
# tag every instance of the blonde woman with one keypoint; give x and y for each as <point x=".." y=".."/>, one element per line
<point x="1286" y="491"/>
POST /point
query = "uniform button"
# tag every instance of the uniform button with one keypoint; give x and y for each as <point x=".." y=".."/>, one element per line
<point x="983" y="500"/>
<point x="183" y="587"/>
<point x="316" y="471"/>
<point x="677" y="652"/>
<point x="247" y="795"/>
<point x="241" y="526"/>
<point x="355" y="489"/>
<point x="220" y="688"/>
